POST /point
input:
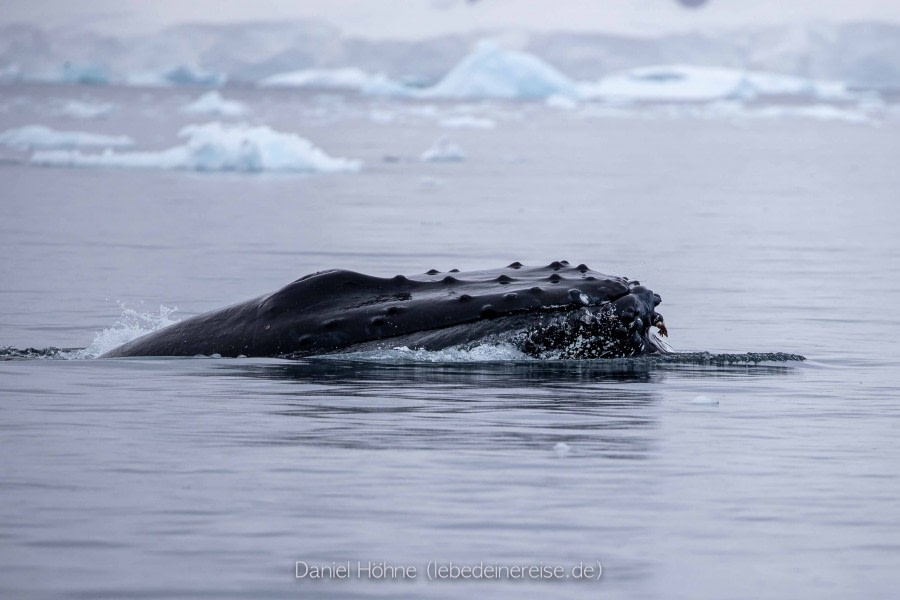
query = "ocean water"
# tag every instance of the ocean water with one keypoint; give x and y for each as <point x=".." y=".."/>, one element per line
<point x="190" y="478"/>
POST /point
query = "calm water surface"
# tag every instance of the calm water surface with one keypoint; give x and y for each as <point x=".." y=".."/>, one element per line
<point x="209" y="478"/>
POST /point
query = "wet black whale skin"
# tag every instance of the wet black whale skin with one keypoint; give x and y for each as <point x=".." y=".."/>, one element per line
<point x="334" y="310"/>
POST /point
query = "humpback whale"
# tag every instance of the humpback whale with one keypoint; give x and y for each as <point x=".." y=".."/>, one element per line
<point x="552" y="311"/>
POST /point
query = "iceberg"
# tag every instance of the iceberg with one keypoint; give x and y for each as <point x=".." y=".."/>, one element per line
<point x="689" y="83"/>
<point x="213" y="104"/>
<point x="444" y="150"/>
<point x="84" y="74"/>
<point x="734" y="110"/>
<point x="561" y="102"/>
<point x="491" y="72"/>
<point x="85" y="110"/>
<point x="54" y="73"/>
<point x="349" y="79"/>
<point x="820" y="112"/>
<point x="215" y="147"/>
<point x="176" y="76"/>
<point x="469" y="122"/>
<point x="183" y="75"/>
<point x="38" y="137"/>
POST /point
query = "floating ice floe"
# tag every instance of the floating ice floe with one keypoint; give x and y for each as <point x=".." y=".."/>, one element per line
<point x="705" y="401"/>
<point x="349" y="79"/>
<point x="215" y="147"/>
<point x="38" y="137"/>
<point x="85" y="110"/>
<point x="213" y="104"/>
<point x="562" y="449"/>
<point x="67" y="73"/>
<point x="85" y="74"/>
<point x="820" y="112"/>
<point x="177" y="76"/>
<point x="443" y="150"/>
<point x="688" y="83"/>
<point x="561" y="102"/>
<point x="468" y="122"/>
<point x="732" y="110"/>
<point x="491" y="72"/>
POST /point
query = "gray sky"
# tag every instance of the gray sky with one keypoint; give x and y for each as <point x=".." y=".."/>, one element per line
<point x="409" y="19"/>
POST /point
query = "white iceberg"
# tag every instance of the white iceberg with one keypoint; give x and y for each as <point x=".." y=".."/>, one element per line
<point x="213" y="104"/>
<point x="349" y="79"/>
<point x="562" y="449"/>
<point x="85" y="110"/>
<point x="704" y="401"/>
<point x="689" y="83"/>
<point x="34" y="137"/>
<point x="215" y="147"/>
<point x="819" y="112"/>
<point x="561" y="102"/>
<point x="443" y="150"/>
<point x="468" y="121"/>
<point x="491" y="72"/>
<point x="733" y="110"/>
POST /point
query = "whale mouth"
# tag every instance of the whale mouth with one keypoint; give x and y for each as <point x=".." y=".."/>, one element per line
<point x="583" y="322"/>
<point x="600" y="331"/>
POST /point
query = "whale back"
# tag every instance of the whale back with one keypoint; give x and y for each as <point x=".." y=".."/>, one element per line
<point x="330" y="310"/>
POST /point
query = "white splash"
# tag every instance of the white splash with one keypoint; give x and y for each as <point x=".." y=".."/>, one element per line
<point x="130" y="325"/>
<point x="457" y="354"/>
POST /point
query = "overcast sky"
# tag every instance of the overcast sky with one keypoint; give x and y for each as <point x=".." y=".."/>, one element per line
<point x="409" y="19"/>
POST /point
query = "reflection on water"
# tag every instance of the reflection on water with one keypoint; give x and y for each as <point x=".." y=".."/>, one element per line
<point x="220" y="473"/>
<point x="454" y="406"/>
<point x="647" y="369"/>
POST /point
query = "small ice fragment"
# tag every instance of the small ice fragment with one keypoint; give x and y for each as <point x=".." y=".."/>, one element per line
<point x="444" y="150"/>
<point x="562" y="449"/>
<point x="212" y="103"/>
<point x="705" y="401"/>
